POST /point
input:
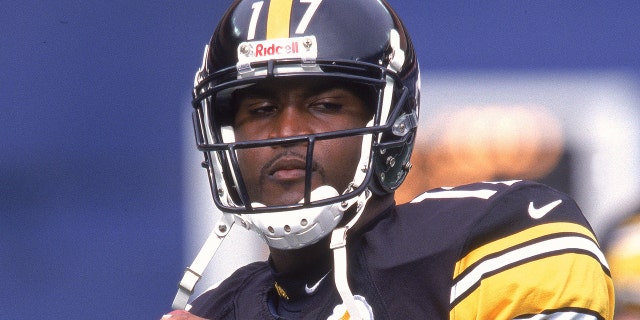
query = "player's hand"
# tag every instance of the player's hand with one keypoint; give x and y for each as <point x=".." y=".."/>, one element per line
<point x="180" y="315"/>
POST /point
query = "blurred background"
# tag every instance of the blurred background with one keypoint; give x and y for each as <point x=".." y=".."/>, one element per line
<point x="102" y="198"/>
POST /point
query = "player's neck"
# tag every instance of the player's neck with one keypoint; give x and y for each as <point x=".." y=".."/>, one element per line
<point x="320" y="253"/>
<point x="373" y="208"/>
<point x="285" y="261"/>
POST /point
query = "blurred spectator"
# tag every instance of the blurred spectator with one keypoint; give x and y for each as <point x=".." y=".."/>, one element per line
<point x="622" y="248"/>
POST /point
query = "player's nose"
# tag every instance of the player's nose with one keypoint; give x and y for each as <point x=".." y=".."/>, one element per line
<point x="290" y="121"/>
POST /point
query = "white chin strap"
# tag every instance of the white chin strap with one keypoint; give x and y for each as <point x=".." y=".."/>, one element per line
<point x="296" y="228"/>
<point x="194" y="272"/>
<point x="356" y="308"/>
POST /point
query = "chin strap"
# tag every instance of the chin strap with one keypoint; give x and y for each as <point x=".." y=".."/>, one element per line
<point x="355" y="308"/>
<point x="194" y="272"/>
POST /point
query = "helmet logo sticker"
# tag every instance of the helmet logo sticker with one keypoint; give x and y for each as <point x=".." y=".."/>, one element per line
<point x="273" y="50"/>
<point x="304" y="48"/>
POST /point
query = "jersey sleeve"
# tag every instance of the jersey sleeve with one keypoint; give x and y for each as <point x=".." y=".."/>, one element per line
<point x="240" y="290"/>
<point x="532" y="255"/>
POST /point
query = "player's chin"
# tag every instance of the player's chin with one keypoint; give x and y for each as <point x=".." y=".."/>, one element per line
<point x="282" y="196"/>
<point x="290" y="192"/>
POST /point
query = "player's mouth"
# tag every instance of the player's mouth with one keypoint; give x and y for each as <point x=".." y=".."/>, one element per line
<point x="288" y="170"/>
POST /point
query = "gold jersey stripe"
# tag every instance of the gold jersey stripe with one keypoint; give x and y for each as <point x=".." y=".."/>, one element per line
<point x="518" y="238"/>
<point x="572" y="282"/>
<point x="279" y="19"/>
<point x="540" y="250"/>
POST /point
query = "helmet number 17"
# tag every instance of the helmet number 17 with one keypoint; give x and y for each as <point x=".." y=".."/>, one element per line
<point x="277" y="8"/>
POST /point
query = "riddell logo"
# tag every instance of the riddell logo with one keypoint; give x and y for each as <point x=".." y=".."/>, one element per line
<point x="276" y="50"/>
<point x="304" y="48"/>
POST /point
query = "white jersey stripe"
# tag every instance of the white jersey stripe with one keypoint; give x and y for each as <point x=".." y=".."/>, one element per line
<point x="455" y="194"/>
<point x="566" y="315"/>
<point x="520" y="254"/>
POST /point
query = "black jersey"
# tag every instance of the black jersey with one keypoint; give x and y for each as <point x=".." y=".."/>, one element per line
<point x="501" y="250"/>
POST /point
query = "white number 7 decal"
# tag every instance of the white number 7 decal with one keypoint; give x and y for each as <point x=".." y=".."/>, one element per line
<point x="313" y="6"/>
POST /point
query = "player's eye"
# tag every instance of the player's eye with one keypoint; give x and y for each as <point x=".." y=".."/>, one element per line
<point x="262" y="109"/>
<point x="327" y="106"/>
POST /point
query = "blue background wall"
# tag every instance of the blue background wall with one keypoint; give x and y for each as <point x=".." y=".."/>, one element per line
<point x="93" y="97"/>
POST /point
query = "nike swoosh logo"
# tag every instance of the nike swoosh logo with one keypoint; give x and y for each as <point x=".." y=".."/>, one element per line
<point x="312" y="289"/>
<point x="538" y="213"/>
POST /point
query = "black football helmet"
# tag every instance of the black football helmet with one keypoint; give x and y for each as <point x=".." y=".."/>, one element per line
<point x="356" y="41"/>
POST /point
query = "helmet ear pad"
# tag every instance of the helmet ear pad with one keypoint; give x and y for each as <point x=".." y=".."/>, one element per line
<point x="391" y="164"/>
<point x="391" y="156"/>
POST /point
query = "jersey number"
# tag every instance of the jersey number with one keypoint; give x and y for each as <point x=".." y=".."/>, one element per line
<point x="304" y="22"/>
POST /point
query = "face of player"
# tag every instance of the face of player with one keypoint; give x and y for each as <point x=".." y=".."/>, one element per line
<point x="283" y="108"/>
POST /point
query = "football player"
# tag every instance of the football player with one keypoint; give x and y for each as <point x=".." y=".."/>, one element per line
<point x="306" y="112"/>
<point x="622" y="249"/>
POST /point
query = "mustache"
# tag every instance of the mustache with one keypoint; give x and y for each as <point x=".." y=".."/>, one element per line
<point x="289" y="155"/>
